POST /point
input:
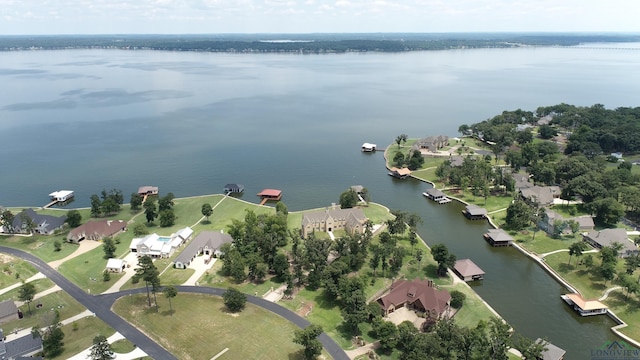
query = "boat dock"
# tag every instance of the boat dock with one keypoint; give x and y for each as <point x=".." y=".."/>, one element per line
<point x="60" y="196"/>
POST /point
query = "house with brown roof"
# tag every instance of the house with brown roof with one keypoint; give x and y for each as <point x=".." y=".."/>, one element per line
<point x="400" y="173"/>
<point x="418" y="295"/>
<point x="351" y="220"/>
<point x="96" y="230"/>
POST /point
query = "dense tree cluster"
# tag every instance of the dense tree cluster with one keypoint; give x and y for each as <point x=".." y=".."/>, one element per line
<point x="108" y="203"/>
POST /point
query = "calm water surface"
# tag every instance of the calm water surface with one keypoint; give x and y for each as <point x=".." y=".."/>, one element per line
<point x="191" y="122"/>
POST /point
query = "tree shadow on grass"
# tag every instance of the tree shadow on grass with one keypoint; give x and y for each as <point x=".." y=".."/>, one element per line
<point x="324" y="301"/>
<point x="565" y="268"/>
<point x="345" y="331"/>
<point x="298" y="355"/>
<point x="430" y="271"/>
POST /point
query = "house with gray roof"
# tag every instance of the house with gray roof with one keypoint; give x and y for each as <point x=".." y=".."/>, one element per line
<point x="23" y="347"/>
<point x="431" y="143"/>
<point x="550" y="219"/>
<point x="41" y="224"/>
<point x="498" y="237"/>
<point x="608" y="237"/>
<point x="551" y="351"/>
<point x="206" y="243"/>
<point x="8" y="311"/>
<point x="542" y="195"/>
<point x="351" y="220"/>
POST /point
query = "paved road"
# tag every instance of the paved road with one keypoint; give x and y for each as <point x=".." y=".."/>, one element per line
<point x="101" y="306"/>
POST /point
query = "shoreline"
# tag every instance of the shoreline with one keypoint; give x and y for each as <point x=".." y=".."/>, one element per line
<point x="540" y="261"/>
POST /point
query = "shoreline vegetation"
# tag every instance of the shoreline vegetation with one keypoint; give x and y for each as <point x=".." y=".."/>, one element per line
<point x="307" y="43"/>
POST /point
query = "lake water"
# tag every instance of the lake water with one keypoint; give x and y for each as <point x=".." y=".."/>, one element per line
<point x="189" y="123"/>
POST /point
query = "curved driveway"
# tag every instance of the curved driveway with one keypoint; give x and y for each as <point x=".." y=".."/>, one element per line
<point x="101" y="306"/>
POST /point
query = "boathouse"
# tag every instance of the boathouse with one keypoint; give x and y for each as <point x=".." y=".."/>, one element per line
<point x="270" y="195"/>
<point x="498" y="237"/>
<point x="401" y="173"/>
<point x="233" y="188"/>
<point x="474" y="212"/>
<point x="147" y="190"/>
<point x="467" y="270"/>
<point x="584" y="307"/>
<point x="437" y="196"/>
<point x="61" y="195"/>
<point x="367" y="147"/>
<point x="551" y="352"/>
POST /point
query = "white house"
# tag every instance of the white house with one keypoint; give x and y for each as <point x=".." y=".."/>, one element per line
<point x="61" y="195"/>
<point x="160" y="246"/>
<point x="116" y="265"/>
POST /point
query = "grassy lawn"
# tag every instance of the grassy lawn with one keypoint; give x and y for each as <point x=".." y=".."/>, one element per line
<point x="473" y="309"/>
<point x="201" y="328"/>
<point x="542" y="243"/>
<point x="40" y="285"/>
<point x="176" y="276"/>
<point x="13" y="270"/>
<point x="86" y="270"/>
<point x="64" y="303"/>
<point x="122" y="346"/>
<point x="79" y="337"/>
<point x="628" y="309"/>
<point x="214" y="278"/>
<point x="40" y="245"/>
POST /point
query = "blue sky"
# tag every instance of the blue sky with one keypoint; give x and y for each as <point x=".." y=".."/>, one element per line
<point x="309" y="16"/>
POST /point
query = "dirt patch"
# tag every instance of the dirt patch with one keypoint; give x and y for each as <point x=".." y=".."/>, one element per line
<point x="305" y="310"/>
<point x="4" y="258"/>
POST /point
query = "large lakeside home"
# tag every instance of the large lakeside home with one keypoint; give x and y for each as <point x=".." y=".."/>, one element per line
<point x="207" y="243"/>
<point x="550" y="221"/>
<point x="158" y="246"/>
<point x="418" y="295"/>
<point x="28" y="221"/>
<point x="608" y="237"/>
<point x="96" y="230"/>
<point x="351" y="220"/>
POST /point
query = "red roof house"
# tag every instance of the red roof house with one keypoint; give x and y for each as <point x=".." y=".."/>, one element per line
<point x="419" y="295"/>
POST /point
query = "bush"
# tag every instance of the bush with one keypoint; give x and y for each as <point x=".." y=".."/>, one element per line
<point x="457" y="299"/>
<point x="234" y="300"/>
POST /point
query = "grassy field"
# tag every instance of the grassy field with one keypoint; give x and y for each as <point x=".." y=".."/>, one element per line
<point x="14" y="270"/>
<point x="542" y="243"/>
<point x="64" y="303"/>
<point x="79" y="337"/>
<point x="86" y="270"/>
<point x="40" y="285"/>
<point x="41" y="246"/>
<point x="201" y="328"/>
<point x="473" y="310"/>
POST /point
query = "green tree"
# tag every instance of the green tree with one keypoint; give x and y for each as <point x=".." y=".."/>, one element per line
<point x="136" y="201"/>
<point x="402" y="138"/>
<point x="6" y="221"/>
<point x="74" y="218"/>
<point x="109" y="248"/>
<point x="281" y="208"/>
<point x="150" y="210"/>
<point x="444" y="259"/>
<point x="608" y="211"/>
<point x="518" y="215"/>
<point x="576" y="249"/>
<point x="26" y="292"/>
<point x="207" y="210"/>
<point x="170" y="292"/>
<point x="96" y="206"/>
<point x="547" y="132"/>
<point x="140" y="229"/>
<point x="457" y="299"/>
<point x="101" y="349"/>
<point x="308" y="338"/>
<point x="234" y="300"/>
<point x="499" y="339"/>
<point x="148" y="272"/>
<point x="106" y="275"/>
<point x="398" y="159"/>
<point x="51" y="333"/>
<point x="348" y="199"/>
<point x="57" y="245"/>
<point x="387" y="334"/>
<point x="167" y="218"/>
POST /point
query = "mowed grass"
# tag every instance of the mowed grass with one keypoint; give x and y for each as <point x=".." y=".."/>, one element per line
<point x="79" y="337"/>
<point x="14" y="270"/>
<point x="39" y="284"/>
<point x="59" y="300"/>
<point x="627" y="307"/>
<point x="201" y="327"/>
<point x="473" y="309"/>
<point x="86" y="270"/>
<point x="41" y="246"/>
<point x="542" y="243"/>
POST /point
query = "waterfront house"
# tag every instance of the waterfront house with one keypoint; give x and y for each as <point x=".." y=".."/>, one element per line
<point x="400" y="173"/>
<point x="206" y="243"/>
<point x="351" y="220"/>
<point x="431" y="143"/>
<point x="148" y="190"/>
<point x="551" y="351"/>
<point x="28" y="221"/>
<point x="233" y="188"/>
<point x="116" y="265"/>
<point x="541" y="195"/>
<point x="584" y="307"/>
<point x="160" y="246"/>
<point x="96" y="230"/>
<point x="549" y="220"/>
<point x="61" y="195"/>
<point x="608" y="237"/>
<point x="498" y="237"/>
<point x="467" y="270"/>
<point x="418" y="295"/>
<point x="456" y="161"/>
<point x="23" y="347"/>
<point x="367" y="147"/>
<point x="474" y="212"/>
<point x="436" y="195"/>
<point x="8" y="311"/>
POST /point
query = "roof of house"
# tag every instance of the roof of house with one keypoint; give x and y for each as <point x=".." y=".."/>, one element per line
<point x="18" y="347"/>
<point x="146" y="189"/>
<point x="61" y="193"/>
<point x="608" y="237"/>
<point x="270" y="192"/>
<point x="185" y="233"/>
<point x="456" y="161"/>
<point x="368" y="145"/>
<point x="475" y="210"/>
<point x="499" y="235"/>
<point x="8" y="307"/>
<point x="357" y="188"/>
<point x="586" y="304"/>
<point x="351" y="216"/>
<point x="543" y="195"/>
<point x="585" y="221"/>
<point x="433" y="192"/>
<point x="552" y="352"/>
<point x="403" y="291"/>
<point x="522" y="180"/>
<point x="401" y="171"/>
<point x="98" y="228"/>
<point x="115" y="263"/>
<point x="44" y="222"/>
<point x="466" y="267"/>
<point x="235" y="187"/>
<point x="210" y="239"/>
